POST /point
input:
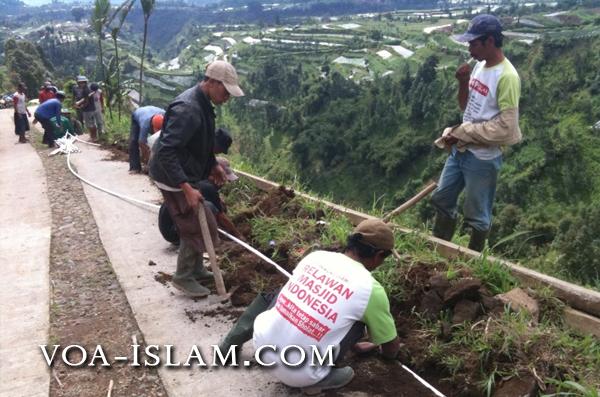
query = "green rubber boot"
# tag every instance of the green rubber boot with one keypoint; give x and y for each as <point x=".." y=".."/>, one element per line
<point x="244" y="327"/>
<point x="337" y="378"/>
<point x="444" y="226"/>
<point x="201" y="273"/>
<point x="477" y="241"/>
<point x="183" y="279"/>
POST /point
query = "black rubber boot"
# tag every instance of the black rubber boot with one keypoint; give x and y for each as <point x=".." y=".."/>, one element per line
<point x="244" y="327"/>
<point x="477" y="241"/>
<point x="444" y="227"/>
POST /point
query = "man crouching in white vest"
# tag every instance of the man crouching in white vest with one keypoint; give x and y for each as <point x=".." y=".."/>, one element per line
<point x="326" y="306"/>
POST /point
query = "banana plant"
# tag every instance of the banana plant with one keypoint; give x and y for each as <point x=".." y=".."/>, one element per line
<point x="98" y="22"/>
<point x="122" y="11"/>
<point x="147" y="8"/>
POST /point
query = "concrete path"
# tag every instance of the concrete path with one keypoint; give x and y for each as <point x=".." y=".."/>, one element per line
<point x="131" y="239"/>
<point x="25" y="226"/>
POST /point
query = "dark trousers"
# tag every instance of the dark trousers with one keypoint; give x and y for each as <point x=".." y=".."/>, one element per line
<point x="21" y="124"/>
<point x="134" y="146"/>
<point x="186" y="220"/>
<point x="48" y="130"/>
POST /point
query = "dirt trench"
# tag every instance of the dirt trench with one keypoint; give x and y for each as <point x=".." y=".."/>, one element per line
<point x="432" y="293"/>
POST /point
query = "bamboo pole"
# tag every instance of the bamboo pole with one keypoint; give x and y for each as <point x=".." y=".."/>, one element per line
<point x="418" y="197"/>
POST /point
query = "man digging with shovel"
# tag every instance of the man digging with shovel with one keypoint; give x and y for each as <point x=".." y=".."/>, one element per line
<point x="182" y="157"/>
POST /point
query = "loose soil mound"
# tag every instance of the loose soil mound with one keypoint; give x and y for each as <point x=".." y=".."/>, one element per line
<point x="246" y="270"/>
<point x="454" y="332"/>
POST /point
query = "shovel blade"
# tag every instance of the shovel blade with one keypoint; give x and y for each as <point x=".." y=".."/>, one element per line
<point x="217" y="299"/>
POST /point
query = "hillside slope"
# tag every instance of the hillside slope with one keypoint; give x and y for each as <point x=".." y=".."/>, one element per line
<point x="371" y="143"/>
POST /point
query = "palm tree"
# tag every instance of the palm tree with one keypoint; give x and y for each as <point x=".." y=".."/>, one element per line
<point x="122" y="12"/>
<point x="147" y="7"/>
<point x="98" y="21"/>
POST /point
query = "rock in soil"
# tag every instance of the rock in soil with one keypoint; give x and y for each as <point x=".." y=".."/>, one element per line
<point x="463" y="289"/>
<point x="465" y="310"/>
<point x="517" y="387"/>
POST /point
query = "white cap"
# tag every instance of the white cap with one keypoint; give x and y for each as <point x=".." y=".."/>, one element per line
<point x="231" y="176"/>
<point x="225" y="73"/>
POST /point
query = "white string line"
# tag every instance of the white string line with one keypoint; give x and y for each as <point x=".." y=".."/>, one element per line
<point x="423" y="381"/>
<point x="258" y="253"/>
<point x="240" y="242"/>
<point x="155" y="206"/>
<point x="86" y="142"/>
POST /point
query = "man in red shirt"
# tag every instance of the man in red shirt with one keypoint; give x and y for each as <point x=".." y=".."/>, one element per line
<point x="46" y="93"/>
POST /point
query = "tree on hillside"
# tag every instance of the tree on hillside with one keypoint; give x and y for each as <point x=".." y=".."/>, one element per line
<point x="147" y="8"/>
<point x="122" y="11"/>
<point x="24" y="63"/>
<point x="98" y="21"/>
<point x="78" y="13"/>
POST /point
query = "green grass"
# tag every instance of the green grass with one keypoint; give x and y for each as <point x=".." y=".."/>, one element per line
<point x="477" y="354"/>
<point x="496" y="276"/>
<point x="273" y="231"/>
<point x="116" y="131"/>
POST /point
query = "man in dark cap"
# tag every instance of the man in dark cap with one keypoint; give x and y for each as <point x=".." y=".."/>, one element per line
<point x="182" y="157"/>
<point x="223" y="141"/>
<point x="328" y="303"/>
<point x="489" y="97"/>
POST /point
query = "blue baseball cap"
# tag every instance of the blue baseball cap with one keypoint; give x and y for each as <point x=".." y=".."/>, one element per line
<point x="480" y="26"/>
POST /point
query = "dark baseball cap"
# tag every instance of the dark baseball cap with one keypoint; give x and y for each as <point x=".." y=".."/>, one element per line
<point x="376" y="233"/>
<point x="479" y="26"/>
<point x="223" y="139"/>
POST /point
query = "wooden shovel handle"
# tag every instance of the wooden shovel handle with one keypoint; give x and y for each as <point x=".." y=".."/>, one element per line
<point x="208" y="244"/>
<point x="418" y="197"/>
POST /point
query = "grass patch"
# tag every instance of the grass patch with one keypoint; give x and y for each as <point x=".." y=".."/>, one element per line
<point x="495" y="275"/>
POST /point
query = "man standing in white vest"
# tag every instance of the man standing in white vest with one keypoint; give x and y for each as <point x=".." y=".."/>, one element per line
<point x="489" y="97"/>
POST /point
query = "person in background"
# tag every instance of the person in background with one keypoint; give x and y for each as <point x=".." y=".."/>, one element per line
<point x="223" y="141"/>
<point x="77" y="94"/>
<point x="21" y="113"/>
<point x="210" y="191"/>
<point x="45" y="112"/>
<point x="145" y="121"/>
<point x="99" y="106"/>
<point x="52" y="86"/>
<point x="46" y="92"/>
<point x="65" y="124"/>
<point x="85" y="103"/>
